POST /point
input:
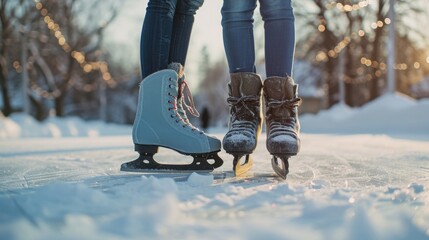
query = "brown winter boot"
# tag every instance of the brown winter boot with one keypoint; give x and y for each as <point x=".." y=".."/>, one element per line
<point x="245" y="119"/>
<point x="282" y="122"/>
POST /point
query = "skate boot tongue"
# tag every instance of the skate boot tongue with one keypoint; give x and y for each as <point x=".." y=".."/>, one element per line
<point x="245" y="84"/>
<point x="281" y="96"/>
<point x="178" y="68"/>
<point x="280" y="88"/>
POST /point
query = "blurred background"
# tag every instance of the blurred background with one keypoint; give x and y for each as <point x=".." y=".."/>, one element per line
<point x="81" y="57"/>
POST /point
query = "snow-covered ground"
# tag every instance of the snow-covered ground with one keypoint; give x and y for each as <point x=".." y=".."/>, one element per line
<point x="358" y="179"/>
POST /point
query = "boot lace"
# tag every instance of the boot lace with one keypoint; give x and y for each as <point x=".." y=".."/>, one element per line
<point x="278" y="123"/>
<point x="183" y="94"/>
<point x="244" y="115"/>
<point x="241" y="105"/>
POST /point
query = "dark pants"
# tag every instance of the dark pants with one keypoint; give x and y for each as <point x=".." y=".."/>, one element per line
<point x="166" y="32"/>
<point x="279" y="24"/>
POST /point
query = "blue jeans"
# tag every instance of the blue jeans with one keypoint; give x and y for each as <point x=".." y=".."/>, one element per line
<point x="166" y="32"/>
<point x="279" y="24"/>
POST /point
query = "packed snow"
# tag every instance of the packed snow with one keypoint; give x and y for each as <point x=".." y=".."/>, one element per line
<point x="393" y="114"/>
<point x="354" y="178"/>
<point x="20" y="125"/>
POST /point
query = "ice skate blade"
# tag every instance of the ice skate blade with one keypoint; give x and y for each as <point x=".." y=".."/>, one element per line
<point x="146" y="163"/>
<point x="280" y="166"/>
<point x="165" y="169"/>
<point x="240" y="169"/>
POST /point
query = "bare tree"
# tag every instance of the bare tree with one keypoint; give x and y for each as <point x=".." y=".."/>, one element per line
<point x="363" y="25"/>
<point x="322" y="36"/>
<point x="6" y="31"/>
<point x="70" y="48"/>
<point x="12" y="22"/>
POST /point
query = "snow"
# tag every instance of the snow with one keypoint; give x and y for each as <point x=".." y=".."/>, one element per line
<point x="392" y="114"/>
<point x="20" y="125"/>
<point x="354" y="178"/>
<point x="200" y="180"/>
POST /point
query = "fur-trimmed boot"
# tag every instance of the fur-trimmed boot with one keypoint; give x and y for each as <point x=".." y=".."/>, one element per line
<point x="282" y="101"/>
<point x="245" y="119"/>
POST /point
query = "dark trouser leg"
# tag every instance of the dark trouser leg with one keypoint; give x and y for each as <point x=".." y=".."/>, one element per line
<point x="237" y="23"/>
<point x="156" y="36"/>
<point x="279" y="36"/>
<point x="182" y="28"/>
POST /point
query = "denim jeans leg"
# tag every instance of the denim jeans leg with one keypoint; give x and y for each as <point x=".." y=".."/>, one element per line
<point x="237" y="23"/>
<point x="279" y="23"/>
<point x="182" y="28"/>
<point x="156" y="36"/>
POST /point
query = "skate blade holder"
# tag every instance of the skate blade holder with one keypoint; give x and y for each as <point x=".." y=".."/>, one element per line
<point x="203" y="162"/>
<point x="280" y="166"/>
<point x="242" y="164"/>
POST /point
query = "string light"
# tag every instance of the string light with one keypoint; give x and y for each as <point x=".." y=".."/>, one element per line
<point x="348" y="7"/>
<point x="78" y="56"/>
<point x="336" y="50"/>
<point x="44" y="93"/>
<point x="17" y="66"/>
<point x="382" y="66"/>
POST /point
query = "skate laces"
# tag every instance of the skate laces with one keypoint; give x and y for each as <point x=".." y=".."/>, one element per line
<point x="289" y="104"/>
<point x="185" y="92"/>
<point x="276" y="104"/>
<point x="243" y="102"/>
<point x="179" y="113"/>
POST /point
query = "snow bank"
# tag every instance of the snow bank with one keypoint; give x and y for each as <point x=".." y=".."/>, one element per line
<point x="389" y="114"/>
<point x="20" y="125"/>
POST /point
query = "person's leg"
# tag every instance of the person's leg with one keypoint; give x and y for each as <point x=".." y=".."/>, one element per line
<point x="182" y="28"/>
<point x="245" y="86"/>
<point x="280" y="91"/>
<point x="158" y="121"/>
<point x="237" y="23"/>
<point x="279" y="23"/>
<point x="156" y="36"/>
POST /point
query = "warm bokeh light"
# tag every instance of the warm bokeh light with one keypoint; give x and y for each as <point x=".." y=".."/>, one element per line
<point x="87" y="67"/>
<point x="321" y="56"/>
<point x="348" y="7"/>
<point x="416" y="65"/>
<point x="387" y="20"/>
<point x="39" y="5"/>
